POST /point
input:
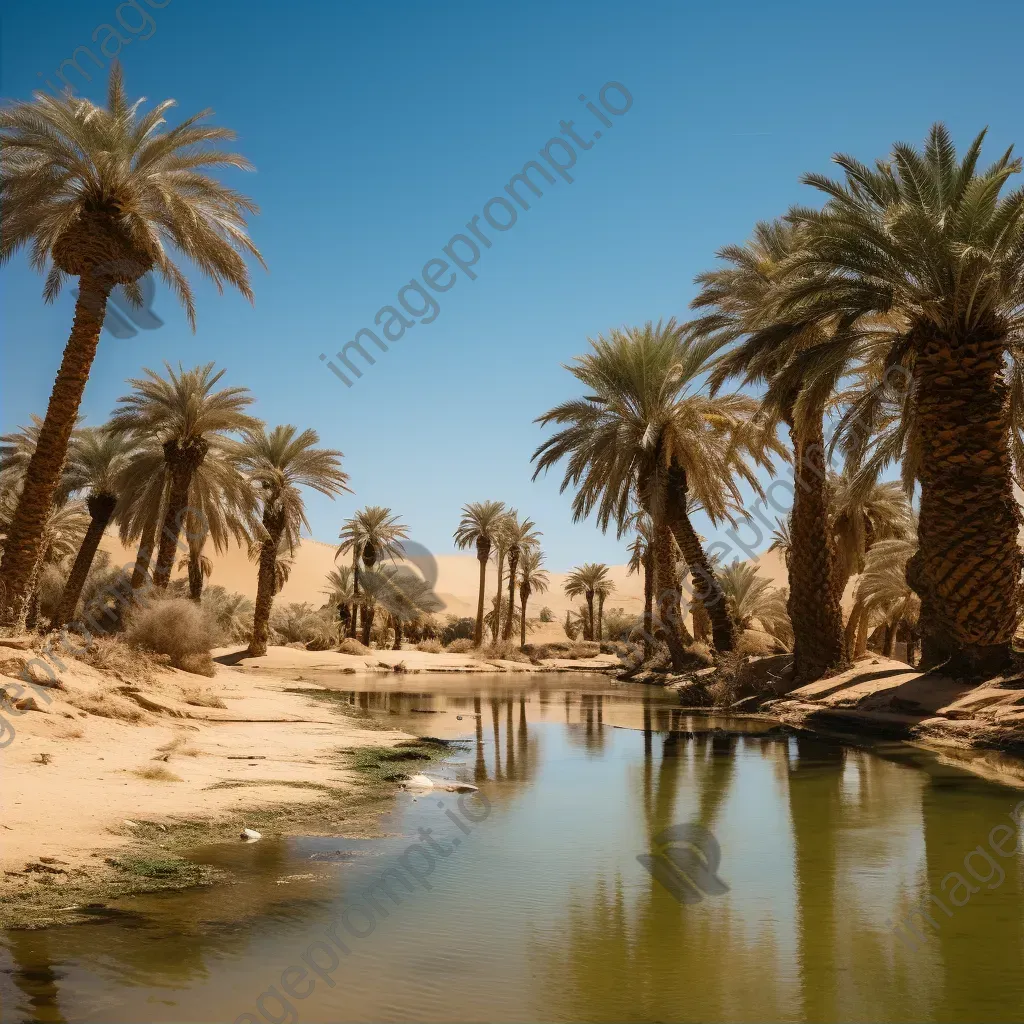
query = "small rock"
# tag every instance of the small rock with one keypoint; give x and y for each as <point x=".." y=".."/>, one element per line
<point x="250" y="835"/>
<point x="131" y="824"/>
<point x="30" y="704"/>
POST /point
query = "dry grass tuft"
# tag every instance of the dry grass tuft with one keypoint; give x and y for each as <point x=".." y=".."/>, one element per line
<point x="201" y="698"/>
<point x="462" y="646"/>
<point x="110" y="654"/>
<point x="503" y="650"/>
<point x="157" y="773"/>
<point x="352" y="646"/>
<point x="430" y="646"/>
<point x="199" y="665"/>
<point x="108" y="705"/>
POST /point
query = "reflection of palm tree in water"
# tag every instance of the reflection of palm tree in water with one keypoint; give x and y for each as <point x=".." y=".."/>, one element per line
<point x="36" y="976"/>
<point x="480" y="768"/>
<point x="815" y="785"/>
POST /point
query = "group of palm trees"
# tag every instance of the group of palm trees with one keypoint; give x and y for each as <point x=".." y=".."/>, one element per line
<point x="892" y="314"/>
<point x="179" y="466"/>
<point x="490" y="527"/>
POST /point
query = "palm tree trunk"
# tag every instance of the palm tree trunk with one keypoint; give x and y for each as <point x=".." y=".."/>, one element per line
<point x="852" y="629"/>
<point x="513" y="564"/>
<point x="24" y="538"/>
<point x="497" y="604"/>
<point x="482" y="555"/>
<point x="600" y="617"/>
<point x="140" y="574"/>
<point x="397" y="645"/>
<point x="666" y="583"/>
<point x="968" y="566"/>
<point x="524" y="596"/>
<point x="648" y="567"/>
<point x="195" y="575"/>
<point x="889" y="639"/>
<point x="101" y="509"/>
<point x="183" y="459"/>
<point x="266" y="584"/>
<point x="368" y="616"/>
<point x="813" y="605"/>
<point x="354" y="624"/>
<point x="590" y="613"/>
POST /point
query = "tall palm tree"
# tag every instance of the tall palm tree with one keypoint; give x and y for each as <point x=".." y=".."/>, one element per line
<point x="585" y="581"/>
<point x="764" y="348"/>
<point x="188" y="417"/>
<point x="602" y="591"/>
<point x="500" y="552"/>
<point x="97" y="466"/>
<point x="533" y="579"/>
<point x="480" y="527"/>
<point x="521" y="537"/>
<point x="340" y="593"/>
<point x="104" y="195"/>
<point x="279" y="462"/>
<point x="934" y="245"/>
<point x="373" y="534"/>
<point x="644" y="430"/>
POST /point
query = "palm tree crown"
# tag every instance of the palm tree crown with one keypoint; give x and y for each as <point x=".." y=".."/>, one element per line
<point x="480" y="527"/>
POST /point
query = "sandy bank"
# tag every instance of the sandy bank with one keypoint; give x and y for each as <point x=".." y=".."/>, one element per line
<point x="107" y="770"/>
<point x="886" y="698"/>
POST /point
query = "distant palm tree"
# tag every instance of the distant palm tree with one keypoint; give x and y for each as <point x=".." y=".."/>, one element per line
<point x="199" y="568"/>
<point x="480" y="527"/>
<point x="403" y="594"/>
<point x="371" y="535"/>
<point x="232" y="612"/>
<point x="340" y="594"/>
<point x="643" y="431"/>
<point x="533" y="579"/>
<point x="585" y="581"/>
<point x="603" y="589"/>
<point x="188" y="417"/>
<point x="102" y="194"/>
<point x="97" y="465"/>
<point x="882" y="589"/>
<point x="641" y="559"/>
<point x="279" y="462"/>
<point x="521" y="537"/>
<point x="500" y="553"/>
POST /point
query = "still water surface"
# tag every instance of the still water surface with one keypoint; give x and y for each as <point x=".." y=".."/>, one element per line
<point x="542" y="911"/>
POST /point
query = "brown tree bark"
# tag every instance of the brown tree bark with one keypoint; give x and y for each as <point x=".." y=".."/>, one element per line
<point x="813" y="605"/>
<point x="24" y="538"/>
<point x="183" y="459"/>
<point x="648" y="570"/>
<point x="483" y="552"/>
<point x="513" y="566"/>
<point x="195" y="575"/>
<point x="144" y="558"/>
<point x="496" y="623"/>
<point x="968" y="565"/>
<point x="101" y="510"/>
<point x="524" y="596"/>
<point x="266" y="584"/>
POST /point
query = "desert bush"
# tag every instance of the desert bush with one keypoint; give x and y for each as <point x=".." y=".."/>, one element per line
<point x="618" y="625"/>
<point x="112" y="655"/>
<point x="350" y="645"/>
<point x="176" y="627"/>
<point x="457" y="629"/>
<point x="297" y="623"/>
<point x="430" y="646"/>
<point x="232" y="612"/>
<point x="201" y="698"/>
<point x="546" y="614"/>
<point x="503" y="650"/>
<point x="460" y="646"/>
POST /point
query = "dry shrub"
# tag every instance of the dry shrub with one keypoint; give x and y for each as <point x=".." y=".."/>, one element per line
<point x="198" y="665"/>
<point x="112" y="655"/>
<point x="430" y="646"/>
<point x="503" y="650"/>
<point x="68" y="732"/>
<point x="176" y="627"/>
<point x="350" y="645"/>
<point x="201" y="698"/>
<point x="460" y="646"/>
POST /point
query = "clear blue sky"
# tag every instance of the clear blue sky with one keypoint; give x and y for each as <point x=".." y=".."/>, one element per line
<point x="379" y="130"/>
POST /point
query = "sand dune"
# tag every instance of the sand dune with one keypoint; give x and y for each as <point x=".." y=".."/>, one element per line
<point x="457" y="578"/>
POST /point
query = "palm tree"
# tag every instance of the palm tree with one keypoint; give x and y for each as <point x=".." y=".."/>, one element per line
<point x="641" y="558"/>
<point x="767" y="349"/>
<point x="883" y="591"/>
<point x="929" y="242"/>
<point x="404" y="595"/>
<point x="480" y="527"/>
<point x="584" y="581"/>
<point x="372" y="534"/>
<point x="103" y="194"/>
<point x="532" y="580"/>
<point x="644" y="431"/>
<point x="188" y="417"/>
<point x="340" y="594"/>
<point x="63" y="532"/>
<point x="199" y="568"/>
<point x="501" y="545"/>
<point x="232" y="612"/>
<point x="521" y="537"/>
<point x="97" y="465"/>
<point x="279" y="462"/>
<point x="603" y="589"/>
